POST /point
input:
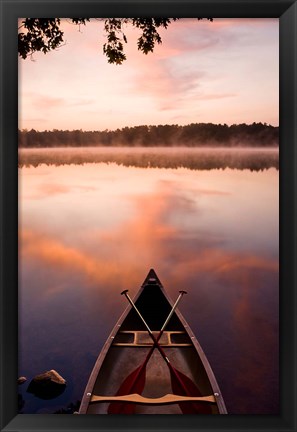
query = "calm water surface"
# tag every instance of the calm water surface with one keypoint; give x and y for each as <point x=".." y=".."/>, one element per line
<point x="88" y="231"/>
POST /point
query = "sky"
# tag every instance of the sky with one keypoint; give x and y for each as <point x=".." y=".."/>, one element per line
<point x="225" y="71"/>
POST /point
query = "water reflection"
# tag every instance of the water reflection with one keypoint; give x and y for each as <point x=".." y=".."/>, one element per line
<point x="89" y="232"/>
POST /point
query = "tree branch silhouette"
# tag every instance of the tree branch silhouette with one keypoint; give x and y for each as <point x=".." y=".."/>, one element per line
<point x="45" y="34"/>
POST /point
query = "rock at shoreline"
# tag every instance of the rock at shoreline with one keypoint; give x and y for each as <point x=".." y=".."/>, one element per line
<point x="51" y="375"/>
<point x="21" y="380"/>
<point x="48" y="385"/>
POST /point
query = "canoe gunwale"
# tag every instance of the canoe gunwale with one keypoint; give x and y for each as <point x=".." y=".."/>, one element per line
<point x="212" y="379"/>
<point x="94" y="374"/>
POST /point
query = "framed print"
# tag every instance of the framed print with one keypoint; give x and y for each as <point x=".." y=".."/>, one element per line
<point x="148" y="245"/>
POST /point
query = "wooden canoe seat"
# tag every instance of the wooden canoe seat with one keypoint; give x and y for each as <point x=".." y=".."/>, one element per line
<point x="130" y="338"/>
<point x="164" y="400"/>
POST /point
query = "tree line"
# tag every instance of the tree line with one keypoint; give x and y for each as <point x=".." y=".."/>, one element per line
<point x="192" y="135"/>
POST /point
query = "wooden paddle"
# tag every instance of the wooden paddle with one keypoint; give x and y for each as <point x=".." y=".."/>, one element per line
<point x="135" y="381"/>
<point x="181" y="384"/>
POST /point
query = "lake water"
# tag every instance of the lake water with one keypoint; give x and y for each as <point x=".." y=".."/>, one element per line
<point x="92" y="222"/>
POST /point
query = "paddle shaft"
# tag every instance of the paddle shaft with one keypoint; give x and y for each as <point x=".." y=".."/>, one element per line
<point x="181" y="293"/>
<point x="156" y="340"/>
<point x="137" y="376"/>
<point x="156" y="344"/>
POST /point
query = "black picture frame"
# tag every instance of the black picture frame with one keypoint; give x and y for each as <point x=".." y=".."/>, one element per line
<point x="10" y="11"/>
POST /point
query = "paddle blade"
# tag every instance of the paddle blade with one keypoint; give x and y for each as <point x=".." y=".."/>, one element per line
<point x="184" y="386"/>
<point x="134" y="383"/>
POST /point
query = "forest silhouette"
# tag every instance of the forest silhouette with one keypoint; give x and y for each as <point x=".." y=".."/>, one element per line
<point x="192" y="135"/>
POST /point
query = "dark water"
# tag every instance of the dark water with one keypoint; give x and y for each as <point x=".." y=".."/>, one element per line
<point x="89" y="230"/>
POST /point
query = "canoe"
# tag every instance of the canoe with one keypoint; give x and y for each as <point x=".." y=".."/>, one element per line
<point x="187" y="385"/>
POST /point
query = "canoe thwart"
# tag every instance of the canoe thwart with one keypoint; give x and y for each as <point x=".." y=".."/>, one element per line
<point x="142" y="338"/>
<point x="164" y="400"/>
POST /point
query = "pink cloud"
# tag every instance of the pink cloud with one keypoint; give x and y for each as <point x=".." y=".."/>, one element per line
<point x="82" y="102"/>
<point x="216" y="96"/>
<point x="157" y="78"/>
<point x="34" y="120"/>
<point x="231" y="22"/>
<point x="169" y="84"/>
<point x="47" y="102"/>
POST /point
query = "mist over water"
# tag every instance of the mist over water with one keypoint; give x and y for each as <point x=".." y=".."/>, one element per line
<point x="176" y="157"/>
<point x="94" y="221"/>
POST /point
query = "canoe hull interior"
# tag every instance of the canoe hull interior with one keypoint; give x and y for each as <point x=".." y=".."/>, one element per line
<point x="128" y="346"/>
<point x="119" y="363"/>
